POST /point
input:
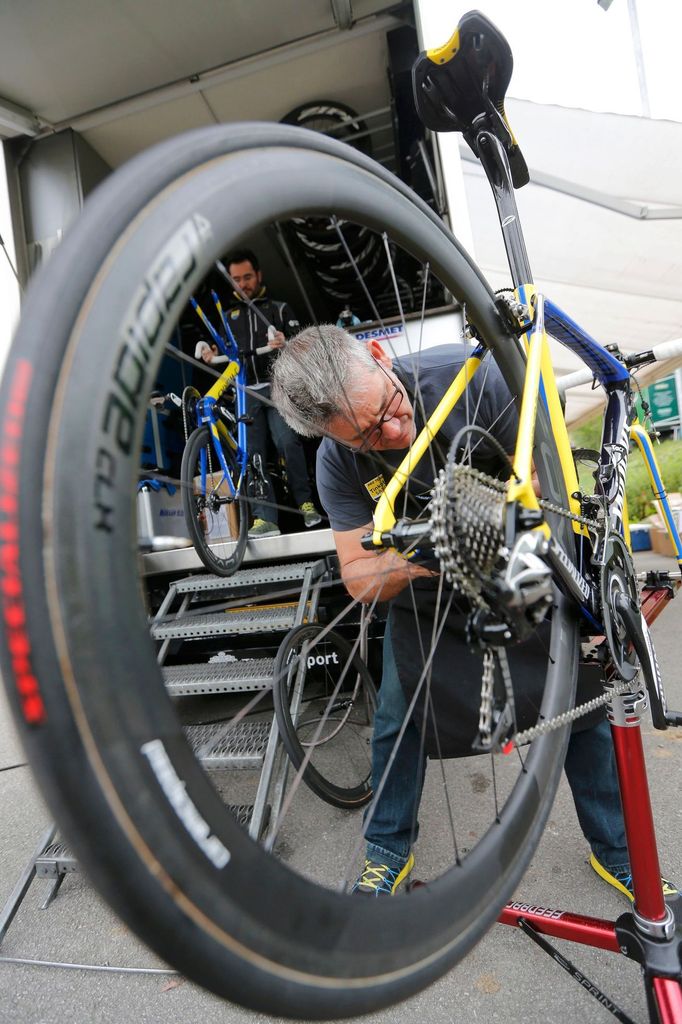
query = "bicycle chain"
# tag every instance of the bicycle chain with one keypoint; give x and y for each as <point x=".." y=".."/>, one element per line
<point x="186" y="395"/>
<point x="485" y="709"/>
<point x="548" y="506"/>
<point x="528" y="735"/>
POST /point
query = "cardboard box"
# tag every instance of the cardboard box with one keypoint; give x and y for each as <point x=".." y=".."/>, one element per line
<point x="657" y="522"/>
<point x="661" y="543"/>
<point x="216" y="531"/>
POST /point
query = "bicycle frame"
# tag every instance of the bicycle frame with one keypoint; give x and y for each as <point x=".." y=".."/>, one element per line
<point x="206" y="406"/>
<point x="648" y="934"/>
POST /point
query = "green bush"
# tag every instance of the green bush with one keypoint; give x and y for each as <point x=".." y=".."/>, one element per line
<point x="637" y="485"/>
<point x="588" y="434"/>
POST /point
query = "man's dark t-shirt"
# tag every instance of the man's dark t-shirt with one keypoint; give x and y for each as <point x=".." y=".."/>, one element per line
<point x="350" y="485"/>
<point x="249" y="324"/>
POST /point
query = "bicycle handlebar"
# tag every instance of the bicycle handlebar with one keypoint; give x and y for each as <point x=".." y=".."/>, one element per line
<point x="666" y="350"/>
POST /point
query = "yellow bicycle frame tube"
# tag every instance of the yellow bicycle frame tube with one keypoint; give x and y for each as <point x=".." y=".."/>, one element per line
<point x="539" y="371"/>
<point x="224" y="380"/>
<point x="521" y="488"/>
<point x="384" y="517"/>
<point x="222" y="434"/>
<point x="218" y="429"/>
<point x="540" y="374"/>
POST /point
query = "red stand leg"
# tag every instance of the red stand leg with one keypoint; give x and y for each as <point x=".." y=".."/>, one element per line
<point x="668" y="1000"/>
<point x="639" y="822"/>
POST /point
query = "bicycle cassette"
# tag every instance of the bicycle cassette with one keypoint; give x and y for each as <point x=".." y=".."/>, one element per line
<point x="467" y="527"/>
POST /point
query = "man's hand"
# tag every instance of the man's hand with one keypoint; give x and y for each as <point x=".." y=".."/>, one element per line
<point x="368" y="574"/>
<point x="205" y="351"/>
<point x="275" y="338"/>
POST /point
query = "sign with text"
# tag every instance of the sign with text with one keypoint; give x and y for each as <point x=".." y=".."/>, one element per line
<point x="663" y="400"/>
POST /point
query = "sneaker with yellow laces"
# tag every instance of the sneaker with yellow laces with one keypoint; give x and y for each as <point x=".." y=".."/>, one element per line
<point x="380" y="879"/>
<point x="622" y="880"/>
<point x="311" y="517"/>
<point x="262" y="528"/>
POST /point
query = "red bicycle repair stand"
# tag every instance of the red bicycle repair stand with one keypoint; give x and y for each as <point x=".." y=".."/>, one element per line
<point x="652" y="933"/>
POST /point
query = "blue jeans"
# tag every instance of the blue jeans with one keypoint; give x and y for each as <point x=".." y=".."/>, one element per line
<point x="266" y="421"/>
<point x="391" y="825"/>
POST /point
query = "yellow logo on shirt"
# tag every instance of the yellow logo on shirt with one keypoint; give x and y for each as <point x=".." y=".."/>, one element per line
<point x="376" y="487"/>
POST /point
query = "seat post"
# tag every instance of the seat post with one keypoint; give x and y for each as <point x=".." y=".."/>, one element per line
<point x="496" y="166"/>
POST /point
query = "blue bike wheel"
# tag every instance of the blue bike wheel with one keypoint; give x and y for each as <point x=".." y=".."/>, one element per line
<point x="218" y="522"/>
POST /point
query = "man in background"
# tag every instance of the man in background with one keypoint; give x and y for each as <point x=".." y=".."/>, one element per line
<point x="261" y="326"/>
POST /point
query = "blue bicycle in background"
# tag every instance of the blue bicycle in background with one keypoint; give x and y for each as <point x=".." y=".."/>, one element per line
<point x="218" y="476"/>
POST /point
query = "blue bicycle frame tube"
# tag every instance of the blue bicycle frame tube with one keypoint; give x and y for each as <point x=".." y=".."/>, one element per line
<point x="242" y="450"/>
<point x="206" y="406"/>
<point x="208" y="325"/>
<point x="606" y="367"/>
<point x="233" y="350"/>
<point x="613" y="457"/>
<point x="643" y="442"/>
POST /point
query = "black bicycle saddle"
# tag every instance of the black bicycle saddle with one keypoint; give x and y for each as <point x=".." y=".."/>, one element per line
<point x="461" y="86"/>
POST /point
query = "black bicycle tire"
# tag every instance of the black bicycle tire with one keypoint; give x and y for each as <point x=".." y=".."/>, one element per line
<point x="68" y="607"/>
<point x="213" y="562"/>
<point x="347" y="798"/>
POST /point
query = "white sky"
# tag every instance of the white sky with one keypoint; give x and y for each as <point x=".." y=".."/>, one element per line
<point x="574" y="54"/>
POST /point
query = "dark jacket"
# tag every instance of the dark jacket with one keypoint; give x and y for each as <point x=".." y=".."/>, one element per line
<point x="251" y="332"/>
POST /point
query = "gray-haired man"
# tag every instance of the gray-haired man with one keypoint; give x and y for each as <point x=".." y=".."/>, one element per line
<point x="369" y="408"/>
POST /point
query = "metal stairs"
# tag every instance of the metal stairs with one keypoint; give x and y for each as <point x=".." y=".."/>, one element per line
<point x="263" y="603"/>
<point x="253" y="603"/>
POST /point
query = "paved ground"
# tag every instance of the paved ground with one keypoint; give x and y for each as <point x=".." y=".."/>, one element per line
<point x="505" y="978"/>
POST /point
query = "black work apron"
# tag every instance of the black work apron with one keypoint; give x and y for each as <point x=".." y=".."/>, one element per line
<point x="453" y="691"/>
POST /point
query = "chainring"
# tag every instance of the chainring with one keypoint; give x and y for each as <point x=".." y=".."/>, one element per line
<point x="617" y="576"/>
<point x="190" y="397"/>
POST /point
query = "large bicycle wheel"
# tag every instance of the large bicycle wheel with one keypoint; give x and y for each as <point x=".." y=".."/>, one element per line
<point x="325" y="700"/>
<point x="270" y="926"/>
<point x="218" y="524"/>
<point x="336" y="118"/>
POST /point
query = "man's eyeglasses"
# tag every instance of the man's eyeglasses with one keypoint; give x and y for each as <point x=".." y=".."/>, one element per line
<point x="369" y="437"/>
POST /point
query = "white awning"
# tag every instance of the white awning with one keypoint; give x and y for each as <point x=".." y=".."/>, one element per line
<point x="602" y="218"/>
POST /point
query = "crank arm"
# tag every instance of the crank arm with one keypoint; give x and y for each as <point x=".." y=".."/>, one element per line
<point x="638" y="634"/>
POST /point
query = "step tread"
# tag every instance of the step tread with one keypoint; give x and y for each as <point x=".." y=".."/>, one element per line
<point x="222" y="744"/>
<point x="294" y="571"/>
<point x="244" y="675"/>
<point x="239" y="621"/>
<point x="56" y="859"/>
